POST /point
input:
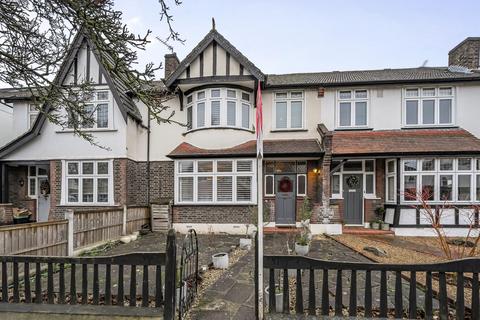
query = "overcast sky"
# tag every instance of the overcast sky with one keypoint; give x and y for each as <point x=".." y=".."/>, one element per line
<point x="305" y="36"/>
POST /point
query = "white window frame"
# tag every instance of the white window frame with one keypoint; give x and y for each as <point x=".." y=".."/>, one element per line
<point x="364" y="174"/>
<point x="298" y="184"/>
<point x="352" y="100"/>
<point x="214" y="174"/>
<point x="420" y="98"/>
<point x="391" y="175"/>
<point x="454" y="172"/>
<point x="80" y="176"/>
<point x="95" y="102"/>
<point x="32" y="111"/>
<point x="288" y="101"/>
<point x="223" y="99"/>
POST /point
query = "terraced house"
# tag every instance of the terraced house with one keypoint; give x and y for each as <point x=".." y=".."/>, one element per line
<point x="350" y="141"/>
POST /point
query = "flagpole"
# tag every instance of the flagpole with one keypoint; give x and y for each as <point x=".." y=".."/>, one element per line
<point x="259" y="133"/>
<point x="260" y="235"/>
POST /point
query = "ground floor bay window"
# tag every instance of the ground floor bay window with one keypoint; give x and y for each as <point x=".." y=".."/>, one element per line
<point x="215" y="181"/>
<point x="449" y="179"/>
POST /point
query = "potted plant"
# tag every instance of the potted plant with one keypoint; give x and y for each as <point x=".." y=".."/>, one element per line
<point x="375" y="224"/>
<point x="379" y="212"/>
<point x="220" y="260"/>
<point x="278" y="298"/>
<point x="302" y="245"/>
<point x="385" y="226"/>
<point x="21" y="216"/>
<point x="246" y="243"/>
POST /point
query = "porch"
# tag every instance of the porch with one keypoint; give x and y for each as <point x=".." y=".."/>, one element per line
<point x="24" y="190"/>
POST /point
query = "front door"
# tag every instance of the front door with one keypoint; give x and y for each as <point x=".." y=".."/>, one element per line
<point x="43" y="199"/>
<point x="353" y="198"/>
<point x="285" y="199"/>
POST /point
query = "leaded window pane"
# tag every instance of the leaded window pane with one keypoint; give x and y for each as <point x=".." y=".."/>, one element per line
<point x="102" y="115"/>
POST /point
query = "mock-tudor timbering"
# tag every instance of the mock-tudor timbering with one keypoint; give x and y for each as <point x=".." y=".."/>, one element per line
<point x="350" y="142"/>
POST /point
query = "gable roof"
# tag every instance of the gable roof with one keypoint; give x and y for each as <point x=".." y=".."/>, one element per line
<point x="212" y="36"/>
<point x="362" y="77"/>
<point x="404" y="142"/>
<point x="125" y="103"/>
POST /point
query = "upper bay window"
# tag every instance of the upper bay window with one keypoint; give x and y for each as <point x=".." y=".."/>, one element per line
<point x="289" y="110"/>
<point x="352" y="109"/>
<point x="428" y="106"/>
<point x="219" y="107"/>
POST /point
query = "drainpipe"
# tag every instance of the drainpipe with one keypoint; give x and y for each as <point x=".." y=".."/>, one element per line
<point x="148" y="158"/>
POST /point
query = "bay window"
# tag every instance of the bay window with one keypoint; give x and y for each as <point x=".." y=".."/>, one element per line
<point x="289" y="111"/>
<point x="215" y="181"/>
<point x="440" y="179"/>
<point x="219" y="107"/>
<point x="87" y="182"/>
<point x="352" y="109"/>
<point x="428" y="106"/>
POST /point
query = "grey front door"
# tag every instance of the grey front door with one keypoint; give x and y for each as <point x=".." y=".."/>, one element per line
<point x="353" y="198"/>
<point x="285" y="199"/>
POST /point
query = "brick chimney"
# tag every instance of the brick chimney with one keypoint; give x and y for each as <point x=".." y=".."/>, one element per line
<point x="171" y="63"/>
<point x="466" y="54"/>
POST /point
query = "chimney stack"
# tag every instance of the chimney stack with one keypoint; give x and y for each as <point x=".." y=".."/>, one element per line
<point x="171" y="63"/>
<point x="466" y="54"/>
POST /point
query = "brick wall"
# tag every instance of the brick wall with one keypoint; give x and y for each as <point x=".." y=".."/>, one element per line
<point x="161" y="182"/>
<point x="212" y="214"/>
<point x="466" y="54"/>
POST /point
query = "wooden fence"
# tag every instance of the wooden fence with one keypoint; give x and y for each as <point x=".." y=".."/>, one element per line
<point x="96" y="226"/>
<point x="142" y="280"/>
<point x="42" y="238"/>
<point x="89" y="228"/>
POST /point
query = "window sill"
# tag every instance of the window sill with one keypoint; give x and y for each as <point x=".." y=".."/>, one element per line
<point x="219" y="127"/>
<point x="87" y="205"/>
<point x="353" y="128"/>
<point x="288" y="130"/>
<point x="430" y="126"/>
<point x="216" y="204"/>
<point x="87" y="130"/>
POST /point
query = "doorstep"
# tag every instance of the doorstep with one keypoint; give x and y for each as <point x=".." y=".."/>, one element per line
<point x="365" y="231"/>
<point x="286" y="229"/>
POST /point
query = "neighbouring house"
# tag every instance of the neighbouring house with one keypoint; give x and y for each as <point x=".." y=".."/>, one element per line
<point x="6" y="121"/>
<point x="349" y="141"/>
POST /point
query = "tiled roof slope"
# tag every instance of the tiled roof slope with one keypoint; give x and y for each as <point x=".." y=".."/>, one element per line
<point x="270" y="147"/>
<point x="411" y="141"/>
<point x="422" y="74"/>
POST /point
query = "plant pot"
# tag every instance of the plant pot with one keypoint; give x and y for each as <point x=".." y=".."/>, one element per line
<point x="184" y="292"/>
<point x="278" y="300"/>
<point x="20" y="220"/>
<point x="220" y="260"/>
<point x="302" y="250"/>
<point x="245" y="243"/>
<point x="386" y="226"/>
<point x="375" y="225"/>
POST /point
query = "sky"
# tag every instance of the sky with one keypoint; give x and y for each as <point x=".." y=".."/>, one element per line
<point x="306" y="36"/>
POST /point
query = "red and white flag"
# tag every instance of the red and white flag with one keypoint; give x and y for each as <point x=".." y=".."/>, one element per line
<point x="259" y="122"/>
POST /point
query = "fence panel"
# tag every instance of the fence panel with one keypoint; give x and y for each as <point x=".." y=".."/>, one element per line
<point x="136" y="217"/>
<point x="96" y="226"/>
<point x="41" y="238"/>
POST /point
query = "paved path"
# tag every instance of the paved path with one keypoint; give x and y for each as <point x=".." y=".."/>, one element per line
<point x="232" y="296"/>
